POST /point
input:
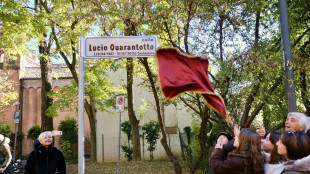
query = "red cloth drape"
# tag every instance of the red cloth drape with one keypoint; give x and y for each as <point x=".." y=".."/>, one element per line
<point x="179" y="72"/>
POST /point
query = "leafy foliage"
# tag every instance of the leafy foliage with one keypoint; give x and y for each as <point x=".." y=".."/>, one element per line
<point x="34" y="132"/>
<point x="8" y="92"/>
<point x="126" y="128"/>
<point x="128" y="152"/>
<point x="69" y="137"/>
<point x="19" y="138"/>
<point x="5" y="128"/>
<point x="151" y="131"/>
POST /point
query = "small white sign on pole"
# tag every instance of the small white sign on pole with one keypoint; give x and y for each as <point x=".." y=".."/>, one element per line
<point x="120" y="103"/>
<point x="108" y="47"/>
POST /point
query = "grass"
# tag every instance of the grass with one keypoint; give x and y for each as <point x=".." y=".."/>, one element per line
<point x="132" y="167"/>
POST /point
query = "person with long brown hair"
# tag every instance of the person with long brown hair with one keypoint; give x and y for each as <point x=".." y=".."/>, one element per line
<point x="271" y="156"/>
<point x="295" y="147"/>
<point x="246" y="158"/>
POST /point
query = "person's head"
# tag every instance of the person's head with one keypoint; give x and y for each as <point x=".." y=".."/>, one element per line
<point x="46" y="138"/>
<point x="269" y="146"/>
<point x="223" y="138"/>
<point x="294" y="145"/>
<point x="247" y="139"/>
<point x="296" y="121"/>
<point x="249" y="143"/>
<point x="1" y="138"/>
<point x="36" y="144"/>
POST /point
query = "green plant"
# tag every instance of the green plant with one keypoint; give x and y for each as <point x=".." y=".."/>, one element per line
<point x="20" y="136"/>
<point x="188" y="132"/>
<point x="69" y="137"/>
<point x="34" y="132"/>
<point x="68" y="152"/>
<point x="151" y="130"/>
<point x="126" y="128"/>
<point x="5" y="128"/>
<point x="128" y="152"/>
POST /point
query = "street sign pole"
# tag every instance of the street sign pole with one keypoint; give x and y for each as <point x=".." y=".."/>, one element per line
<point x="108" y="47"/>
<point x="16" y="121"/>
<point x="120" y="105"/>
<point x="119" y="143"/>
<point x="81" y="161"/>
<point x="16" y="129"/>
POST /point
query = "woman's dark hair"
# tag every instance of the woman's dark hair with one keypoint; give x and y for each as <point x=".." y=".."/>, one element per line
<point x="274" y="155"/>
<point x="250" y="144"/>
<point x="297" y="144"/>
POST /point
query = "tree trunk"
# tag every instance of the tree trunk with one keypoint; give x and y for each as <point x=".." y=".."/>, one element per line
<point x="46" y="77"/>
<point x="131" y="113"/>
<point x="134" y="122"/>
<point x="89" y="107"/>
<point x="173" y="159"/>
<point x="202" y="141"/>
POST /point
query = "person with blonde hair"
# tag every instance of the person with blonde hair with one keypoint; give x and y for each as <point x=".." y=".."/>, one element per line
<point x="5" y="153"/>
<point x="45" y="159"/>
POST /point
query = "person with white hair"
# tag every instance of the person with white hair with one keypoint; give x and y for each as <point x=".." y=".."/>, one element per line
<point x="297" y="121"/>
<point x="5" y="153"/>
<point x="45" y="159"/>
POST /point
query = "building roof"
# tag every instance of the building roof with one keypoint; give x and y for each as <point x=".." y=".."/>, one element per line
<point x="32" y="70"/>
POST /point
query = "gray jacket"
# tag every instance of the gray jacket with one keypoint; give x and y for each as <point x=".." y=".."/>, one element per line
<point x="301" y="166"/>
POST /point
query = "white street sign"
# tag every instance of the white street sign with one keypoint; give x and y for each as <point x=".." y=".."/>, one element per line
<point x="121" y="46"/>
<point x="120" y="103"/>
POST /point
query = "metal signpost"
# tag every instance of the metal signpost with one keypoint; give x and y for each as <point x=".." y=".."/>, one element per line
<point x="107" y="47"/>
<point x="120" y="103"/>
<point x="16" y="121"/>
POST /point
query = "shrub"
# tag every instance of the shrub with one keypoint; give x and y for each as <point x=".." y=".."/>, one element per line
<point x="5" y="128"/>
<point x="20" y="136"/>
<point x="34" y="132"/>
<point x="151" y="130"/>
<point x="69" y="137"/>
<point x="126" y="128"/>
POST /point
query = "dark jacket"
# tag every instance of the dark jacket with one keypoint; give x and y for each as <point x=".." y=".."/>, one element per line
<point x="45" y="161"/>
<point x="234" y="164"/>
<point x="226" y="149"/>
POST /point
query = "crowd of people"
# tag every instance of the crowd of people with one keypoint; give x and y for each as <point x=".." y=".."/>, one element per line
<point x="258" y="152"/>
<point x="248" y="152"/>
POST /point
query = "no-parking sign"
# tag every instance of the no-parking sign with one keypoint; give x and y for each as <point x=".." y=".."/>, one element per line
<point x="120" y="103"/>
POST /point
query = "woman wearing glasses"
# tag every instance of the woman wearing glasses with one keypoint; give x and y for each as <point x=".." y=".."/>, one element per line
<point x="295" y="147"/>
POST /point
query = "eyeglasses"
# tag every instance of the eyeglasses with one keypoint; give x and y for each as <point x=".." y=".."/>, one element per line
<point x="292" y="132"/>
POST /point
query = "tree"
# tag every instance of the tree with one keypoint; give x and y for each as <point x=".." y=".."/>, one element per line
<point x="151" y="131"/>
<point x="7" y="91"/>
<point x="45" y="45"/>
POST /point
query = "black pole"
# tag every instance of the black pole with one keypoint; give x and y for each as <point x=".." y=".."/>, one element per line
<point x="287" y="56"/>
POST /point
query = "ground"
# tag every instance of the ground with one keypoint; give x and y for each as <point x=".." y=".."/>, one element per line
<point x="132" y="167"/>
